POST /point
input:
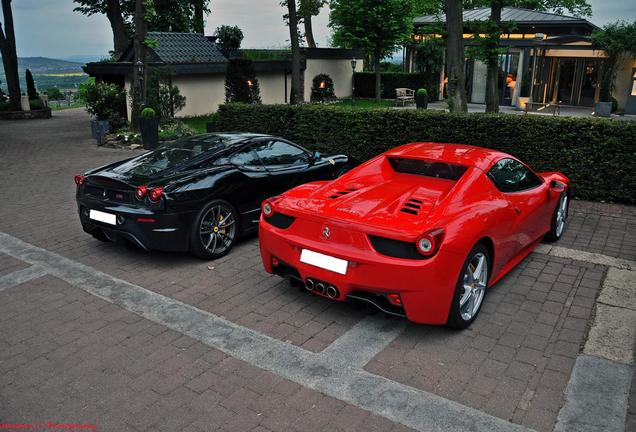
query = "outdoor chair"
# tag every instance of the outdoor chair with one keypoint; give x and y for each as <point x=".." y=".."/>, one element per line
<point x="404" y="95"/>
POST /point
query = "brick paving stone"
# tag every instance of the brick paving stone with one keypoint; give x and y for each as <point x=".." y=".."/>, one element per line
<point x="527" y="353"/>
<point x="228" y="394"/>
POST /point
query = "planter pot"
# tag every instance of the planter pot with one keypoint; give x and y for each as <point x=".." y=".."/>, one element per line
<point x="149" y="128"/>
<point x="521" y="102"/>
<point x="603" y="109"/>
<point x="24" y="103"/>
<point x="99" y="128"/>
<point x="421" y="101"/>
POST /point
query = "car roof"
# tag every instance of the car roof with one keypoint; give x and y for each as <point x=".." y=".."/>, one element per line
<point x="459" y="154"/>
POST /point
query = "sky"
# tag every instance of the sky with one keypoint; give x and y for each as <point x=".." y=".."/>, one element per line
<point x="50" y="28"/>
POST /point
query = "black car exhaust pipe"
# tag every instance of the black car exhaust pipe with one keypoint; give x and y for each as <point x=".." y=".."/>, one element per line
<point x="320" y="288"/>
<point x="309" y="284"/>
<point x="332" y="292"/>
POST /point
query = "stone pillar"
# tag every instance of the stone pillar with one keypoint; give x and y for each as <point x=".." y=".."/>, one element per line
<point x="24" y="103"/>
<point x="519" y="83"/>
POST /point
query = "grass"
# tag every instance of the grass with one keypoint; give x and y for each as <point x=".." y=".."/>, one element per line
<point x="265" y="54"/>
<point x="365" y="103"/>
<point x="198" y="123"/>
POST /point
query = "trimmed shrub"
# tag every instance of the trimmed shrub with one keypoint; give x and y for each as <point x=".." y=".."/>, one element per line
<point x="36" y="104"/>
<point x="322" y="89"/>
<point x="241" y="84"/>
<point x="105" y="102"/>
<point x="365" y="83"/>
<point x="596" y="154"/>
<point x="31" y="91"/>
<point x="148" y="113"/>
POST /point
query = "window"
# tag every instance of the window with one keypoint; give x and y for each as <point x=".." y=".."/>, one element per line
<point x="429" y="169"/>
<point x="276" y="153"/>
<point x="510" y="175"/>
<point x="246" y="157"/>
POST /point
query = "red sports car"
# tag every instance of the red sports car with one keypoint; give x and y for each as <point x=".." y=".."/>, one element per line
<point x="419" y="231"/>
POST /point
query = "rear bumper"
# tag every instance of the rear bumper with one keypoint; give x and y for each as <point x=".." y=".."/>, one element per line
<point x="426" y="287"/>
<point x="167" y="232"/>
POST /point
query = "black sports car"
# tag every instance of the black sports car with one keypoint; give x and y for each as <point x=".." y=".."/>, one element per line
<point x="197" y="194"/>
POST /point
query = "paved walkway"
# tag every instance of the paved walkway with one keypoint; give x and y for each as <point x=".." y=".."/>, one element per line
<point x="127" y="340"/>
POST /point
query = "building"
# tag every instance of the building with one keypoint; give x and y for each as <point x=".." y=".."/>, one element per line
<point x="548" y="58"/>
<point x="197" y="68"/>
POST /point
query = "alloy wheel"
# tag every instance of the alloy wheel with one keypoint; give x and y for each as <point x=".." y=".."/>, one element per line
<point x="474" y="286"/>
<point x="217" y="229"/>
<point x="561" y="215"/>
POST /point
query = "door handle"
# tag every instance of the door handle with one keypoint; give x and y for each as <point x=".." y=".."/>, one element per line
<point x="517" y="211"/>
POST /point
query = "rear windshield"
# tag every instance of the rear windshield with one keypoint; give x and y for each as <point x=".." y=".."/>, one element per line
<point x="175" y="154"/>
<point x="441" y="170"/>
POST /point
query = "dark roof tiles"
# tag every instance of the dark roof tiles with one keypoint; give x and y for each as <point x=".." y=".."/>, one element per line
<point x="176" y="48"/>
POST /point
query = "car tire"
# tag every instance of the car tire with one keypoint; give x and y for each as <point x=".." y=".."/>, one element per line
<point x="342" y="171"/>
<point x="557" y="225"/>
<point x="470" y="290"/>
<point x="214" y="231"/>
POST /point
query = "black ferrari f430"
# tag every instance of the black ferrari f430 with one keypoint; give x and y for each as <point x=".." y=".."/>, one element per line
<point x="198" y="194"/>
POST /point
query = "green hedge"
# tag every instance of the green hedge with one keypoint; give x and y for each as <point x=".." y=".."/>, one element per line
<point x="598" y="155"/>
<point x="365" y="83"/>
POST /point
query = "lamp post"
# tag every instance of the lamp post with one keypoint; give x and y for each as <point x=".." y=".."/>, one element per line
<point x="354" y="62"/>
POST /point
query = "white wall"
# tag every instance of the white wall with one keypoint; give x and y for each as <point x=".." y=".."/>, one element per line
<point x="127" y="85"/>
<point x="339" y="71"/>
<point x="272" y="87"/>
<point x="203" y="93"/>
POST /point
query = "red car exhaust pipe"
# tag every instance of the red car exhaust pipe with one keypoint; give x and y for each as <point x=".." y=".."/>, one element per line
<point x="310" y="285"/>
<point x="320" y="288"/>
<point x="332" y="292"/>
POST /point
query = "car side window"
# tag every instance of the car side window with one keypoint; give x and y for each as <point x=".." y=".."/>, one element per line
<point x="246" y="157"/>
<point x="510" y="175"/>
<point x="276" y="153"/>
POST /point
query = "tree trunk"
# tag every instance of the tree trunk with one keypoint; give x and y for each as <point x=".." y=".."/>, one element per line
<point x="120" y="35"/>
<point x="492" y="76"/>
<point x="9" y="56"/>
<point x="455" y="56"/>
<point x="378" y="76"/>
<point x="139" y="80"/>
<point x="199" y="25"/>
<point x="309" y="32"/>
<point x="296" y="95"/>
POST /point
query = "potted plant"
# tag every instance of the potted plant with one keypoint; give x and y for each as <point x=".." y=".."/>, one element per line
<point x="105" y="103"/>
<point x="149" y="127"/>
<point x="421" y="98"/>
<point x="617" y="40"/>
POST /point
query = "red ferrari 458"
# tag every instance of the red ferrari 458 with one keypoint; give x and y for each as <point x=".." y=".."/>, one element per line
<point x="419" y="231"/>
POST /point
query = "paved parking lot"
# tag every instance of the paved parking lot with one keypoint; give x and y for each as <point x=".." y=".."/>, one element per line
<point x="128" y="340"/>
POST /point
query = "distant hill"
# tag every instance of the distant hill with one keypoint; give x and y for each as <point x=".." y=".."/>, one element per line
<point x="48" y="72"/>
<point x="85" y="58"/>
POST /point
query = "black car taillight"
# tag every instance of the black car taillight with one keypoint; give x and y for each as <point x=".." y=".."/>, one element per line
<point x="280" y="220"/>
<point x="395" y="248"/>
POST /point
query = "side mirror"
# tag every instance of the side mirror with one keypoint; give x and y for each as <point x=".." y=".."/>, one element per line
<point x="314" y="157"/>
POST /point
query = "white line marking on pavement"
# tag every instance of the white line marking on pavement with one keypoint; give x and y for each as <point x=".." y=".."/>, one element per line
<point x="579" y="255"/>
<point x="21" y="276"/>
<point x="414" y="408"/>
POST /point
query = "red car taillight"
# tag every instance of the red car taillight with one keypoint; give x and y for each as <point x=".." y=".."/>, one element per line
<point x="155" y="194"/>
<point x="267" y="208"/>
<point x="141" y="192"/>
<point x="80" y="179"/>
<point x="428" y="243"/>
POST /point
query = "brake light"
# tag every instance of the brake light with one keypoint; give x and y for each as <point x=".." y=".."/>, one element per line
<point x="267" y="208"/>
<point x="155" y="194"/>
<point x="428" y="243"/>
<point x="80" y="179"/>
<point x="141" y="192"/>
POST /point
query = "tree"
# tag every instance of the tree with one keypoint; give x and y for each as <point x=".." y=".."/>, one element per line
<point x="119" y="15"/>
<point x="616" y="39"/>
<point x="377" y="26"/>
<point x="139" y="86"/>
<point x="10" y="56"/>
<point x="229" y="39"/>
<point x="455" y="56"/>
<point x="31" y="90"/>
<point x="170" y="15"/>
<point x="296" y="95"/>
<point x="306" y="10"/>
